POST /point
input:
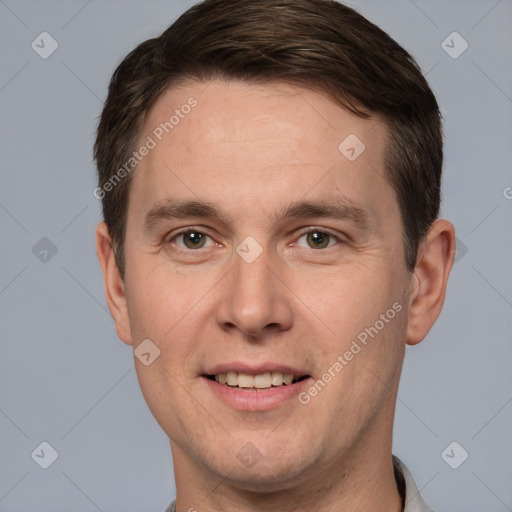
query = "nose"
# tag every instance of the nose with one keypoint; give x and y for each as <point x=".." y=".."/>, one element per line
<point x="255" y="299"/>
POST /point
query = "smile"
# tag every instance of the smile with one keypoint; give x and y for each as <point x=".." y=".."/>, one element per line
<point x="262" y="391"/>
<point x="260" y="381"/>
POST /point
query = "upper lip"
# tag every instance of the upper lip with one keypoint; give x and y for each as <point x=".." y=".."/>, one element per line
<point x="252" y="369"/>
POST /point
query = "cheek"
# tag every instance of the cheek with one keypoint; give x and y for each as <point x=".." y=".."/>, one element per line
<point x="365" y="354"/>
<point x="171" y="309"/>
<point x="351" y="299"/>
<point x="366" y="316"/>
<point x="159" y="297"/>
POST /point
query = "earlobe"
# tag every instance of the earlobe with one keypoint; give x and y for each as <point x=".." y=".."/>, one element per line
<point x="435" y="260"/>
<point x="113" y="283"/>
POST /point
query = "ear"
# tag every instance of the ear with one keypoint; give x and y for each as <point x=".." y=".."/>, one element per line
<point x="434" y="262"/>
<point x="113" y="284"/>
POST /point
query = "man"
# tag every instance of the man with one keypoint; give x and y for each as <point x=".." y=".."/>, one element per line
<point x="270" y="176"/>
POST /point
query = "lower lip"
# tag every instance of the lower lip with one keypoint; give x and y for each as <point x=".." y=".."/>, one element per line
<point x="252" y="400"/>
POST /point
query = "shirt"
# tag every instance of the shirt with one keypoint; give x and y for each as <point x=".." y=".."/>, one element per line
<point x="406" y="486"/>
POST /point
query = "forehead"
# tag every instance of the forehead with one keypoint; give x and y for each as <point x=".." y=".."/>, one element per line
<point x="243" y="144"/>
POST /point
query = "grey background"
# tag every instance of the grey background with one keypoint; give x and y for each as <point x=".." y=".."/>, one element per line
<point x="66" y="379"/>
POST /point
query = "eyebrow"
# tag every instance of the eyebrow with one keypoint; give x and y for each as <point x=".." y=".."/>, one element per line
<point x="340" y="209"/>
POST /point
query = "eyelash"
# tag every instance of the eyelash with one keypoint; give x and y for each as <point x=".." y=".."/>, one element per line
<point x="302" y="233"/>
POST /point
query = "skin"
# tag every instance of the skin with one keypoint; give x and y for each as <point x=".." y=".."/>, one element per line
<point x="251" y="150"/>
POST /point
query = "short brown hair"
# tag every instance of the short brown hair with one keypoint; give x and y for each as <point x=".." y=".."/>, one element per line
<point x="318" y="44"/>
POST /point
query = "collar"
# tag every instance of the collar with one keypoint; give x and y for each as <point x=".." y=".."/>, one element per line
<point x="411" y="498"/>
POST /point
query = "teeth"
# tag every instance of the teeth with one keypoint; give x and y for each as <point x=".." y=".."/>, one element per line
<point x="287" y="379"/>
<point x="277" y="378"/>
<point x="260" y="381"/>
<point x="245" y="380"/>
<point x="231" y="379"/>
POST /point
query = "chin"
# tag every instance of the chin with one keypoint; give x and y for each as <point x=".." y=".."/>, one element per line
<point x="264" y="470"/>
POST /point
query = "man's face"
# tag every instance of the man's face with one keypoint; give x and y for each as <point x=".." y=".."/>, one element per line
<point x="256" y="290"/>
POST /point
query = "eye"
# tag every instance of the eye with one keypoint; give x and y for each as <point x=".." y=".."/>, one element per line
<point x="191" y="239"/>
<point x="317" y="239"/>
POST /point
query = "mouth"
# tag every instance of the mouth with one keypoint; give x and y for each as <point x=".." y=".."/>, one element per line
<point x="256" y="382"/>
<point x="253" y="387"/>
